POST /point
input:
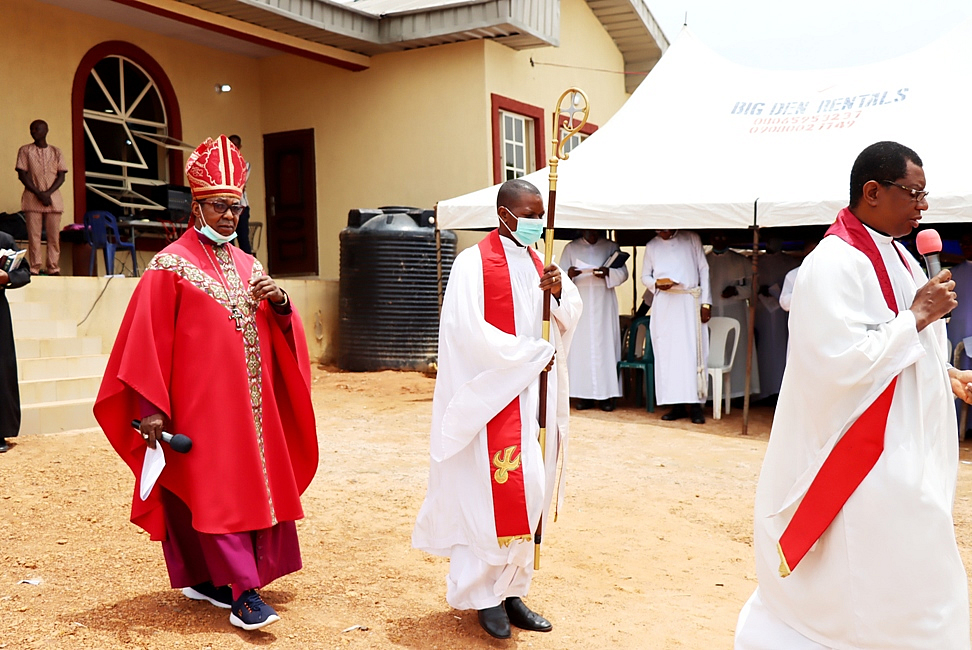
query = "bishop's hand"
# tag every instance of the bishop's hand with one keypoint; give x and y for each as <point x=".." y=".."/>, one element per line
<point x="263" y="287"/>
<point x="151" y="429"/>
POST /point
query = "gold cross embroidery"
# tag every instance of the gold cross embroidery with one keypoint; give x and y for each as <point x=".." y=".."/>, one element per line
<point x="505" y="465"/>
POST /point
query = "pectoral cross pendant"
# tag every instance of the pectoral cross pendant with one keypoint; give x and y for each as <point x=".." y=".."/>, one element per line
<point x="237" y="315"/>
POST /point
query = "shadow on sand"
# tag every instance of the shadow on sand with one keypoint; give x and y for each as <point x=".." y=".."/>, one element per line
<point x="448" y="630"/>
<point x="133" y="619"/>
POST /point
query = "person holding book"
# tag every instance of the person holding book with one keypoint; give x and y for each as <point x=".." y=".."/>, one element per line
<point x="676" y="272"/>
<point x="597" y="266"/>
<point x="17" y="276"/>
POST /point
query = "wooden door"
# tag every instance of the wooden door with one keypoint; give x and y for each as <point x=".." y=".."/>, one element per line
<point x="291" y="183"/>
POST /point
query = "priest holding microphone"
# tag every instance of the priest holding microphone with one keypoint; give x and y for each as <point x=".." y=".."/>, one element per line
<point x="211" y="348"/>
<point x="854" y="538"/>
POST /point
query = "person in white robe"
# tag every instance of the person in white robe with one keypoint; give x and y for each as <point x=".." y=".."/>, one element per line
<point x="786" y="293"/>
<point x="676" y="273"/>
<point x="771" y="319"/>
<point x="596" y="350"/>
<point x="731" y="279"/>
<point x="960" y="323"/>
<point x="486" y="374"/>
<point x="855" y="544"/>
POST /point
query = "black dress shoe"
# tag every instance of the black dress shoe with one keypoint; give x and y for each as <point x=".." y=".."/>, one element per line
<point x="524" y="618"/>
<point x="697" y="416"/>
<point x="606" y="404"/>
<point x="584" y="404"/>
<point x="3" y="445"/>
<point x="676" y="413"/>
<point x="495" y="621"/>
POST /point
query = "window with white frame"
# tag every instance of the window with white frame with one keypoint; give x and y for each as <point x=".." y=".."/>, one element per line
<point x="516" y="145"/>
<point x="573" y="140"/>
<point x="126" y="136"/>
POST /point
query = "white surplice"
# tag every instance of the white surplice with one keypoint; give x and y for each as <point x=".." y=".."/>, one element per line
<point x="596" y="349"/>
<point x="481" y="370"/>
<point x="730" y="269"/>
<point x="886" y="574"/>
<point x="674" y="315"/>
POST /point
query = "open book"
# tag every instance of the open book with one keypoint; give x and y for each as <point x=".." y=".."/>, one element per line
<point x="10" y="259"/>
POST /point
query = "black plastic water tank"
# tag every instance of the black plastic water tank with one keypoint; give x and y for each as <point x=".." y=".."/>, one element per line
<point x="389" y="301"/>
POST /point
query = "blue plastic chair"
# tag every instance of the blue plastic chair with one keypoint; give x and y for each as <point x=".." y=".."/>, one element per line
<point x="645" y="362"/>
<point x="101" y="232"/>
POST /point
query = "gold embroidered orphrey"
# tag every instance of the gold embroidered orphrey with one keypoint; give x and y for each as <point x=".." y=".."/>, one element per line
<point x="505" y="464"/>
<point x="251" y="339"/>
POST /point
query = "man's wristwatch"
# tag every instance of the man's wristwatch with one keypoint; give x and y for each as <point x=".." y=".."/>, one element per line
<point x="706" y="305"/>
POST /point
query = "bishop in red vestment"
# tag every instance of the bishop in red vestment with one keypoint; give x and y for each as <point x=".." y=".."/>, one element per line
<point x="211" y="348"/>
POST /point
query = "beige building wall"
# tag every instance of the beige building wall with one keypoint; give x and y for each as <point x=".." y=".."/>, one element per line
<point x="413" y="129"/>
<point x="407" y="131"/>
<point x="41" y="46"/>
<point x="586" y="58"/>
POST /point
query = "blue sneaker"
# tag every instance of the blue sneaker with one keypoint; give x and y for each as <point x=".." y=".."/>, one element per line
<point x="251" y="613"/>
<point x="221" y="597"/>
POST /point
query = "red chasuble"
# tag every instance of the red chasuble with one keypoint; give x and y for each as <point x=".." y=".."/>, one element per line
<point x="239" y="387"/>
<point x="858" y="450"/>
<point x="504" y="431"/>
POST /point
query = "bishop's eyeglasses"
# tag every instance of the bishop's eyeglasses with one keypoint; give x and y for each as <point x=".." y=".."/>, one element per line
<point x="220" y="207"/>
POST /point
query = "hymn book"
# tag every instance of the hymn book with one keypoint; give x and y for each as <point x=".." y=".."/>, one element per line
<point x="10" y="259"/>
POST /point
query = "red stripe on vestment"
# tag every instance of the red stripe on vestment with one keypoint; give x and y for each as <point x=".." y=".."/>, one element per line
<point x="504" y="431"/>
<point x="858" y="450"/>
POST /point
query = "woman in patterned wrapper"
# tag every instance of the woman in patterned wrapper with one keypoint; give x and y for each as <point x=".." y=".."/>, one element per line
<point x="212" y="348"/>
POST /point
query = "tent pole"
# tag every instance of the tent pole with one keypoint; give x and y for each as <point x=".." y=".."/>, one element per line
<point x="634" y="280"/>
<point x="752" y="325"/>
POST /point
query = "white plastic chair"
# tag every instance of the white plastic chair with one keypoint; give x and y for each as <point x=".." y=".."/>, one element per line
<point x="720" y="367"/>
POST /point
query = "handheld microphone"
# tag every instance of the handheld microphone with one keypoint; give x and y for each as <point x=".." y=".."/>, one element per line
<point x="929" y="244"/>
<point x="177" y="442"/>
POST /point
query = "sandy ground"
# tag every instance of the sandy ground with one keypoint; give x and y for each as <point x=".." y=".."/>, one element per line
<point x="652" y="550"/>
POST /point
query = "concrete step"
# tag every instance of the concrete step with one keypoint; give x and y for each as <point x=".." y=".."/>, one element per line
<point x="30" y="311"/>
<point x="39" y="391"/>
<point x="45" y="329"/>
<point x="16" y="296"/>
<point x="34" y="348"/>
<point x="55" y="417"/>
<point x="62" y="367"/>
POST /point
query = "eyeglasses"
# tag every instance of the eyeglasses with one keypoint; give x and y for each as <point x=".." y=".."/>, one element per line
<point x="917" y="195"/>
<point x="220" y="207"/>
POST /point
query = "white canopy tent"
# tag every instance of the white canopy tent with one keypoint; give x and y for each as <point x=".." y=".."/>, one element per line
<point x="703" y="140"/>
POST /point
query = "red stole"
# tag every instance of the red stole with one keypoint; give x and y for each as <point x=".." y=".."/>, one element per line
<point x="856" y="453"/>
<point x="503" y="432"/>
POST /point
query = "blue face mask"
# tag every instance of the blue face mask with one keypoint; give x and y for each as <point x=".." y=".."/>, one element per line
<point x="213" y="236"/>
<point x="528" y="231"/>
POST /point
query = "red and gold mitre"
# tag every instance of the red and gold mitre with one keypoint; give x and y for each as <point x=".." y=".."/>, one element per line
<point x="216" y="168"/>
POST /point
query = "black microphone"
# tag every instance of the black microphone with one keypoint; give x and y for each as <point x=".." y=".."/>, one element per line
<point x="177" y="442"/>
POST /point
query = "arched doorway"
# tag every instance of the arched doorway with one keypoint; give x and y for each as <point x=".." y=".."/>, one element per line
<point x="125" y="117"/>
